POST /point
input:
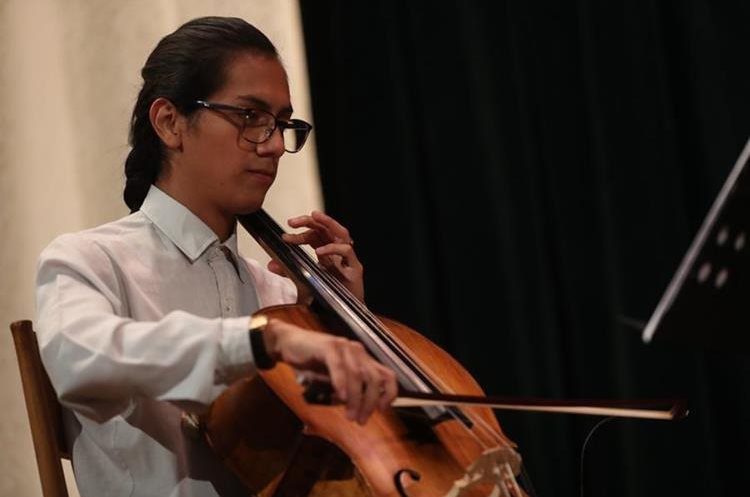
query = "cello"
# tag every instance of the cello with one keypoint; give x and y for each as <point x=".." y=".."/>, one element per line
<point x="281" y="439"/>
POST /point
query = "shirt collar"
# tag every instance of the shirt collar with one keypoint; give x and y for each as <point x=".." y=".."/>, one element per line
<point x="191" y="235"/>
<point x="231" y="244"/>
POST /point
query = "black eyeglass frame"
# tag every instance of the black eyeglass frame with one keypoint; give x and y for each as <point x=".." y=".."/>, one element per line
<point x="297" y="125"/>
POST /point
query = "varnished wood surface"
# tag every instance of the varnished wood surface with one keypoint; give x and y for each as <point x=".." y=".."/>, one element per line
<point x="349" y="459"/>
<point x="43" y="409"/>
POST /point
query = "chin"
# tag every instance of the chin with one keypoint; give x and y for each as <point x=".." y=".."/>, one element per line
<point x="248" y="206"/>
<point x="244" y="212"/>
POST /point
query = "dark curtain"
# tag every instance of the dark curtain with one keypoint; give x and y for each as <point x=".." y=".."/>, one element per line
<point x="522" y="179"/>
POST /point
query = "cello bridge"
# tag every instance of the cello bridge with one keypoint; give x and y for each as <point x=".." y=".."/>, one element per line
<point x="498" y="467"/>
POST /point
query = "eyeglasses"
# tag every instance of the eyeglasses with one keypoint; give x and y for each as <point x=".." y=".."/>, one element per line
<point x="257" y="125"/>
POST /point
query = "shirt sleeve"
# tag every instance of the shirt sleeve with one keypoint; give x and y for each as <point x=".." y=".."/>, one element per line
<point x="98" y="360"/>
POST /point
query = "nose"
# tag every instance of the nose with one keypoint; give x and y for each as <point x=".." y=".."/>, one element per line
<point x="273" y="147"/>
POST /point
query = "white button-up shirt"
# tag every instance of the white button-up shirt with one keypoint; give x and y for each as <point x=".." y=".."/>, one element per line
<point x="138" y="320"/>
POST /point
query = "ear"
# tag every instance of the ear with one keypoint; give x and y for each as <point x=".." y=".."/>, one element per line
<point x="168" y="123"/>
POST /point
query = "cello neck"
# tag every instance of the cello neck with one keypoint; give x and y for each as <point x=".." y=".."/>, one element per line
<point x="326" y="291"/>
<point x="335" y="300"/>
<point x="268" y="234"/>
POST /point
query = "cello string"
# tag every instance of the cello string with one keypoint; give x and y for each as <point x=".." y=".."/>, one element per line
<point x="343" y="295"/>
<point x="478" y="421"/>
<point x="305" y="260"/>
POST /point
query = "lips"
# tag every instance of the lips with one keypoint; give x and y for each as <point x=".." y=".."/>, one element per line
<point x="261" y="176"/>
<point x="270" y="174"/>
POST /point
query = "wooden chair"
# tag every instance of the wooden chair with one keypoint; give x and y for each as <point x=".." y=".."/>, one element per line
<point x="44" y="410"/>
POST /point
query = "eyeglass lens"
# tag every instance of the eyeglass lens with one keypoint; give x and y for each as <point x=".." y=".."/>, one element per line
<point x="259" y="126"/>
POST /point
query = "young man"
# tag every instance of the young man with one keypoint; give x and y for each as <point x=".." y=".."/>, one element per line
<point x="147" y="316"/>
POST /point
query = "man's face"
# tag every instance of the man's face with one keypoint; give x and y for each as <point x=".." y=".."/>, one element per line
<point x="224" y="173"/>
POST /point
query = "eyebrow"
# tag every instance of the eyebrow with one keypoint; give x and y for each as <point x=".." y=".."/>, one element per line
<point x="263" y="105"/>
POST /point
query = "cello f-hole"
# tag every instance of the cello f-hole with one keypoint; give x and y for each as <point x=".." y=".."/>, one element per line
<point x="414" y="475"/>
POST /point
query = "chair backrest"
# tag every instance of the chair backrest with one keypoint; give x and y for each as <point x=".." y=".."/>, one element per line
<point x="45" y="412"/>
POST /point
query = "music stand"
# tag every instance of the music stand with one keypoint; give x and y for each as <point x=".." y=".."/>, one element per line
<point x="705" y="302"/>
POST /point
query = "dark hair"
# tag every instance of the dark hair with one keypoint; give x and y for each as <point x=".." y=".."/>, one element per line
<point x="185" y="66"/>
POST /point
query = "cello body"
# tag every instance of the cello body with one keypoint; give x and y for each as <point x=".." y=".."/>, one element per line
<point x="280" y="445"/>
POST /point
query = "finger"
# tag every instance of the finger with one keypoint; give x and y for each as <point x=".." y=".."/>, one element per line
<point x="309" y="222"/>
<point x="298" y="221"/>
<point x="328" y="228"/>
<point x="276" y="268"/>
<point x="345" y="251"/>
<point x="336" y="369"/>
<point x="309" y="237"/>
<point x="329" y="263"/>
<point x="372" y="388"/>
<point x="354" y="380"/>
<point x="323" y="229"/>
<point x="308" y="376"/>
<point x="339" y="232"/>
<point x="389" y="388"/>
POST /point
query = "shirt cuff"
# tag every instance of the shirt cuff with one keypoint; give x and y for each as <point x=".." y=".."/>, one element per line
<point x="237" y="357"/>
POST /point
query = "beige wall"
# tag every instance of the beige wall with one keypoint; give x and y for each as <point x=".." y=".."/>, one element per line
<point x="69" y="77"/>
